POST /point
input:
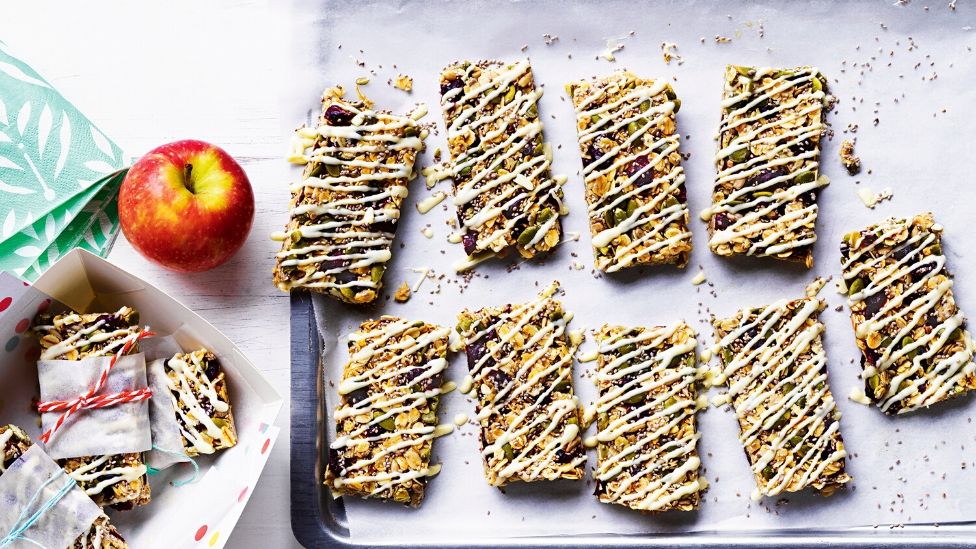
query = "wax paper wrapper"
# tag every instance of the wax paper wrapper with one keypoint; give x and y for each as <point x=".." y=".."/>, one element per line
<point x="119" y="429"/>
<point x="167" y="439"/>
<point x="58" y="174"/>
<point x="199" y="514"/>
<point x="30" y="483"/>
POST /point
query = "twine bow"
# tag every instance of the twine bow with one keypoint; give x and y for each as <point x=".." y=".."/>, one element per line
<point x="24" y="522"/>
<point x="92" y="400"/>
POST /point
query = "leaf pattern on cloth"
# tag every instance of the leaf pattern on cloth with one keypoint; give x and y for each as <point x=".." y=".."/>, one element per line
<point x="59" y="174"/>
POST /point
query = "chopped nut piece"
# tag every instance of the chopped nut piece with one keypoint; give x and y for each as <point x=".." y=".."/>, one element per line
<point x="848" y="158"/>
<point x="403" y="82"/>
<point x="520" y="362"/>
<point x="916" y="349"/>
<point x="765" y="198"/>
<point x="646" y="440"/>
<point x="402" y="294"/>
<point x="776" y="370"/>
<point x="386" y="420"/>
<point x="344" y="214"/>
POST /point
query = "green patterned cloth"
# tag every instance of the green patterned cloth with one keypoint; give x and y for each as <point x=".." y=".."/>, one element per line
<point x="59" y="175"/>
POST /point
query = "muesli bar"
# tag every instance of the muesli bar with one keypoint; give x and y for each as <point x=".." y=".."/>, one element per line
<point x="915" y="348"/>
<point x="343" y="214"/>
<point x="200" y="401"/>
<point x="635" y="190"/>
<point x="776" y="370"/>
<point x="386" y="420"/>
<point x="520" y="363"/>
<point x="101" y="535"/>
<point x="118" y="480"/>
<point x="765" y="198"/>
<point x="646" y="441"/>
<point x="504" y="192"/>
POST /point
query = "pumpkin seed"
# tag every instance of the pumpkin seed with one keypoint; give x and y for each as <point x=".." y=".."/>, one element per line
<point x="348" y="292"/>
<point x="429" y="418"/>
<point x="532" y="113"/>
<point x="466" y="170"/>
<point x="388" y="424"/>
<point x="510" y="94"/>
<point x="296" y="235"/>
<point x="619" y="216"/>
<point x="562" y="387"/>
<point x="758" y="194"/>
<point x="726" y="356"/>
<point x="671" y="401"/>
<point x="411" y="131"/>
<point x="569" y="89"/>
<point x="539" y="148"/>
<point x="627" y="349"/>
<point x="632" y="206"/>
<point x="556" y="315"/>
<point x="595" y="118"/>
<point x="376" y="273"/>
<point x="636" y="399"/>
<point x="795" y="441"/>
<point x="632" y="128"/>
<point x="768" y="472"/>
<point x="936" y="249"/>
<point x="669" y="202"/>
<point x="509" y="452"/>
<point x="805" y="177"/>
<point x="817" y="84"/>
<point x="526" y="236"/>
<point x="333" y="169"/>
<point x="745" y="71"/>
<point x="545" y="215"/>
<point x="739" y="156"/>
<point x="855" y="286"/>
<point x="602" y="420"/>
<point x="788" y="388"/>
<point x="644" y="106"/>
<point x="464" y="323"/>
<point x="677" y="105"/>
<point x="873" y="381"/>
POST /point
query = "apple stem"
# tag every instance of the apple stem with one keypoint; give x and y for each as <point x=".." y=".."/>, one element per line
<point x="187" y="181"/>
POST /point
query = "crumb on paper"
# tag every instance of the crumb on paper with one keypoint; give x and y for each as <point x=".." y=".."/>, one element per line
<point x="549" y="38"/>
<point x="813" y="288"/>
<point x="847" y="157"/>
<point x="424" y="273"/>
<point x="613" y="46"/>
<point x="841" y="287"/>
<point x="670" y="51"/>
<point x="403" y="82"/>
<point x="402" y="295"/>
<point x="858" y="396"/>
<point x="719" y="39"/>
<point x="362" y="81"/>
<point x="428" y="203"/>
<point x="576" y="265"/>
<point x="871" y="198"/>
<point x="699" y="278"/>
<point x="427" y="232"/>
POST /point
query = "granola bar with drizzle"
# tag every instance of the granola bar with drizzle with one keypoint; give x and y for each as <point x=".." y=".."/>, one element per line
<point x="635" y="190"/>
<point x="202" y="407"/>
<point x="647" y="457"/>
<point x="500" y="166"/>
<point x="118" y="480"/>
<point x="343" y="214"/>
<point x="520" y="363"/>
<point x="765" y="198"/>
<point x="915" y="348"/>
<point x="775" y="367"/>
<point x="386" y="420"/>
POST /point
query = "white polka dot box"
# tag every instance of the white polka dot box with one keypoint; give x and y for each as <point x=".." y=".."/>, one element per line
<point x="196" y="498"/>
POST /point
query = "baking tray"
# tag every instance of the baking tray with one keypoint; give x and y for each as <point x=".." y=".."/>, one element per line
<point x="914" y="475"/>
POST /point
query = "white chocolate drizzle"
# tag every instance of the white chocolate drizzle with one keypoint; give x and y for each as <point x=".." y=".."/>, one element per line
<point x="613" y="117"/>
<point x="345" y="225"/>
<point x="781" y="366"/>
<point x="539" y="420"/>
<point x="666" y="375"/>
<point x="4" y="439"/>
<point x="756" y="200"/>
<point x="527" y="183"/>
<point x="86" y="336"/>
<point x="916" y="387"/>
<point x="382" y="407"/>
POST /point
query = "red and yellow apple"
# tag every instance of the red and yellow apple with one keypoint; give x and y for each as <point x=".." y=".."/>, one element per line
<point x="186" y="205"/>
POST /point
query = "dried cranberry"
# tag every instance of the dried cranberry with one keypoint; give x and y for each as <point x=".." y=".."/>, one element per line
<point x="593" y="154"/>
<point x="804" y="146"/>
<point x="932" y="320"/>
<point x="213" y="369"/>
<point x="920" y="272"/>
<point x="374" y="430"/>
<point x="499" y="378"/>
<point x="475" y="350"/>
<point x="565" y="457"/>
<point x="111" y="322"/>
<point x="763" y="176"/>
<point x="721" y="221"/>
<point x="873" y="303"/>
<point x="452" y="84"/>
<point x="751" y="339"/>
<point x="337" y="462"/>
<point x="902" y="252"/>
<point x="337" y="116"/>
<point x="470" y="241"/>
<point x="867" y="239"/>
<point x="357" y="396"/>
<point x="514" y="209"/>
<point x="388" y="226"/>
<point x="808" y="198"/>
<point x="764" y="107"/>
<point x="637" y="165"/>
<point x="681" y="194"/>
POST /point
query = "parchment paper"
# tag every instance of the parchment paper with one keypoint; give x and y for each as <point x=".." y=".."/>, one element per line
<point x="903" y="75"/>
<point x="58" y="527"/>
<point x="162" y="418"/>
<point x="115" y="429"/>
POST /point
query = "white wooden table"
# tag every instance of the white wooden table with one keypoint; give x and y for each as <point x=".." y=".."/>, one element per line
<point x="150" y="73"/>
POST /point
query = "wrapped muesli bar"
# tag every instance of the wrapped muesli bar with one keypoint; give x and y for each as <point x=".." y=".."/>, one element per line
<point x="775" y="367"/>
<point x="343" y="214"/>
<point x="765" y="198"/>
<point x="386" y="420"/>
<point x="635" y="190"/>
<point x="915" y="348"/>
<point x="647" y="457"/>
<point x="117" y="480"/>
<point x="520" y="362"/>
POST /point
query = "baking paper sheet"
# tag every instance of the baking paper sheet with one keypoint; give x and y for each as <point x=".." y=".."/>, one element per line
<point x="903" y="76"/>
<point x="116" y="429"/>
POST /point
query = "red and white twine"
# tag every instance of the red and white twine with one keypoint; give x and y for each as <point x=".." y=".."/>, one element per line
<point x="92" y="400"/>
